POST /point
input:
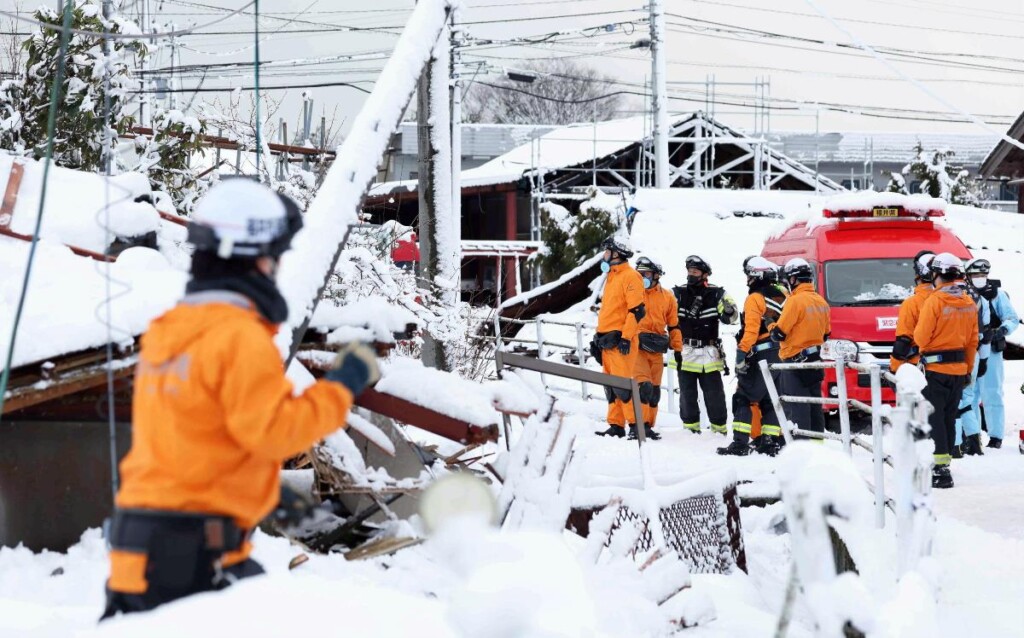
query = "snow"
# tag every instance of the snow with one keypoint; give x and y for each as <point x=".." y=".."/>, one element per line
<point x="540" y="290"/>
<point x="379" y="317"/>
<point x="335" y="207"/>
<point x="867" y="200"/>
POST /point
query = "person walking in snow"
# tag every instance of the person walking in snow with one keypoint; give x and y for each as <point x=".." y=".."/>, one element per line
<point x="761" y="310"/>
<point x="701" y="307"/>
<point x="618" y="322"/>
<point x="904" y="350"/>
<point x="1003" y="321"/>
<point x="947" y="335"/>
<point x="803" y="326"/>
<point x="968" y="422"/>
<point x="213" y="414"/>
<point x="659" y="332"/>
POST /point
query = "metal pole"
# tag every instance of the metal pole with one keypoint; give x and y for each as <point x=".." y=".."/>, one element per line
<point x="844" y="406"/>
<point x="876" y="448"/>
<point x="776" y="402"/>
<point x="540" y="348"/>
<point x="660" y="94"/>
<point x="456" y="114"/>
<point x="579" y="355"/>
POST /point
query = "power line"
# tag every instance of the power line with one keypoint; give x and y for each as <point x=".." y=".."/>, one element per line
<point x="352" y="85"/>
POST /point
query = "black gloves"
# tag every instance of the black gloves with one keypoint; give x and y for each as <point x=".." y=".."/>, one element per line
<point x="624" y="346"/>
<point x="777" y="335"/>
<point x="982" y="367"/>
<point x="355" y="368"/>
<point x="678" y="356"/>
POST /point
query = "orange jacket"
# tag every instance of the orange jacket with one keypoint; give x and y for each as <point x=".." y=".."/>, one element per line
<point x="662" y="314"/>
<point x="910" y="310"/>
<point x="623" y="290"/>
<point x="948" y="321"/>
<point x="213" y="414"/>
<point x="804" y="320"/>
<point x="755" y="308"/>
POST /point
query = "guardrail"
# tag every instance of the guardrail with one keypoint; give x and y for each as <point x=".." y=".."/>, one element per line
<point x="908" y="420"/>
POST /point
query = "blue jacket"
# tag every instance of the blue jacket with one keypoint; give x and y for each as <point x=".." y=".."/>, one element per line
<point x="1008" y="319"/>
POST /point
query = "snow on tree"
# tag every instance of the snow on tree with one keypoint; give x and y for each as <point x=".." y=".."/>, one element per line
<point x="562" y="92"/>
<point x="82" y="138"/>
<point x="938" y="177"/>
<point x="569" y="239"/>
<point x="165" y="157"/>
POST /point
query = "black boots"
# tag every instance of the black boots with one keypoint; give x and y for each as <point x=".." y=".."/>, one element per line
<point x="995" y="443"/>
<point x="972" y="445"/>
<point x="649" y="433"/>
<point x="614" y="431"/>
<point x="770" y="445"/>
<point x="941" y="477"/>
<point x="957" y="452"/>
<point x="736" y="448"/>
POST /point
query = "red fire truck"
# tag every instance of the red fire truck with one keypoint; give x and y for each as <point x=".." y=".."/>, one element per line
<point x="862" y="248"/>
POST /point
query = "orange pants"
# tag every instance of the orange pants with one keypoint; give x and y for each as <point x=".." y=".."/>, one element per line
<point x="755" y="421"/>
<point x="620" y="407"/>
<point x="648" y="373"/>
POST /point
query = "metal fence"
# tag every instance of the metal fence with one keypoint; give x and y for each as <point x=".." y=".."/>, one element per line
<point x="908" y="422"/>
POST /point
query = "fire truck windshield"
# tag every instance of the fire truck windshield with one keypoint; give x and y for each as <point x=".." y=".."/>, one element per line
<point x="868" y="282"/>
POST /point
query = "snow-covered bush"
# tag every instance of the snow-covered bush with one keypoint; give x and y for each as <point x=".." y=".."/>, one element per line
<point x="165" y="157"/>
<point x="938" y="177"/>
<point x="570" y="238"/>
<point x="81" y="137"/>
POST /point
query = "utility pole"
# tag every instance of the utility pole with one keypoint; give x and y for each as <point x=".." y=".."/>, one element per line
<point x="439" y="246"/>
<point x="658" y="91"/>
<point x="456" y="106"/>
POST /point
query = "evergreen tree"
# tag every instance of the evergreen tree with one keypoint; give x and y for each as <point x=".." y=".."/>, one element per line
<point x="569" y="238"/>
<point x="938" y="177"/>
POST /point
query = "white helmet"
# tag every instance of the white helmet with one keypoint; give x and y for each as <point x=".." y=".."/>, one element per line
<point x="242" y="218"/>
<point x="798" y="268"/>
<point x="948" y="266"/>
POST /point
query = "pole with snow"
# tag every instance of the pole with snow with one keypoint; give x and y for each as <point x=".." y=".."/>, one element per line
<point x="456" y="100"/>
<point x="659" y="103"/>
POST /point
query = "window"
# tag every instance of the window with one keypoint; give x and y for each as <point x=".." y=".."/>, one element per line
<point x="869" y="282"/>
<point x="852" y="184"/>
<point x="915" y="186"/>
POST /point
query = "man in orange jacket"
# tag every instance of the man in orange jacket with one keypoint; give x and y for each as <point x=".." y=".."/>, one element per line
<point x="622" y="309"/>
<point x="904" y="350"/>
<point x="662" y="314"/>
<point x="947" y="334"/>
<point x="761" y="309"/>
<point x="213" y="414"/>
<point x="802" y="327"/>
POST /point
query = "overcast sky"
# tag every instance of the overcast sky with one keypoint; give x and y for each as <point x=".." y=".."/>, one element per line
<point x="937" y="41"/>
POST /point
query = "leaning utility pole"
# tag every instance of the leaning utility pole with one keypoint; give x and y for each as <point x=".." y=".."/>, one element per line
<point x="456" y="102"/>
<point x="659" y="103"/>
<point x="439" y="245"/>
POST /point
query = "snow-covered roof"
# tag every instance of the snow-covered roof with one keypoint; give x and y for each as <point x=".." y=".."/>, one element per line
<point x="480" y="141"/>
<point x="478" y="247"/>
<point x="884" y="146"/>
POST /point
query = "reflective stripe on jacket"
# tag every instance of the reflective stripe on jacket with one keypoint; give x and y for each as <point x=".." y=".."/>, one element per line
<point x="805" y="321"/>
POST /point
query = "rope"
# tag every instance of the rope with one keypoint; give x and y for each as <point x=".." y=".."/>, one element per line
<point x="256" y="73"/>
<point x="51" y="126"/>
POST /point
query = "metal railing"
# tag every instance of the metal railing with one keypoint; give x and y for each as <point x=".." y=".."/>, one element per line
<point x="908" y="421"/>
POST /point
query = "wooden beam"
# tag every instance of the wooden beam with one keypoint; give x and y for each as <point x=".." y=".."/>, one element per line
<point x="27" y="396"/>
<point x="425" y="418"/>
<point x="11" y="194"/>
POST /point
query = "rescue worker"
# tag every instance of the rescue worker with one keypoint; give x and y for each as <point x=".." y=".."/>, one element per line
<point x="803" y="326"/>
<point x="1004" y="321"/>
<point x="903" y="349"/>
<point x="968" y="421"/>
<point x="761" y="310"/>
<point x="213" y="414"/>
<point x="701" y="307"/>
<point x="947" y="334"/>
<point x="622" y="309"/>
<point x="654" y="341"/>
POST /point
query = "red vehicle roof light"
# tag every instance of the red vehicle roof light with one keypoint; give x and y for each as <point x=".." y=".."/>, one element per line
<point x="881" y="212"/>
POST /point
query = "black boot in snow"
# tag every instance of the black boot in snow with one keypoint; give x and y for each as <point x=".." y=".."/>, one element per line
<point x="736" y="448"/>
<point x="650" y="433"/>
<point x="942" y="478"/>
<point x="957" y="452"/>
<point x="770" y="445"/>
<point x="613" y="431"/>
<point x="632" y="432"/>
<point x="972" y="445"/>
<point x="995" y="443"/>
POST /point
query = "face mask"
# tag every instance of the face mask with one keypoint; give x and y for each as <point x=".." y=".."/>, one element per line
<point x="647" y="283"/>
<point x="979" y="282"/>
<point x="605" y="266"/>
<point x="693" y="280"/>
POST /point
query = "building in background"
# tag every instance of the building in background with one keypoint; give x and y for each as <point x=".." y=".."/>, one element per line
<point x="1003" y="168"/>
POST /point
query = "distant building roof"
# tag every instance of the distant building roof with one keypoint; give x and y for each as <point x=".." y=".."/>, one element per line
<point x="880" y="146"/>
<point x="480" y="141"/>
<point x="1006" y="160"/>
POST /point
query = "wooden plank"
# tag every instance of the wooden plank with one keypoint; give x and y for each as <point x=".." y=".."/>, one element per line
<point x="381" y="547"/>
<point x="30" y="395"/>
<point x="81" y="252"/>
<point x="425" y="418"/>
<point x="11" y="194"/>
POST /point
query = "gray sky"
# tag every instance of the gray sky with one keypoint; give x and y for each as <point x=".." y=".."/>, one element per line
<point x="937" y="40"/>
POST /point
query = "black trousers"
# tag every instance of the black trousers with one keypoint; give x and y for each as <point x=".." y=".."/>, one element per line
<point x="944" y="392"/>
<point x="751" y="389"/>
<point x="804" y="383"/>
<point x="714" y="397"/>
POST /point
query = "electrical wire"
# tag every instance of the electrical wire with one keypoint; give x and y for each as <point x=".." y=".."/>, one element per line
<point x="256" y="75"/>
<point x="226" y="89"/>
